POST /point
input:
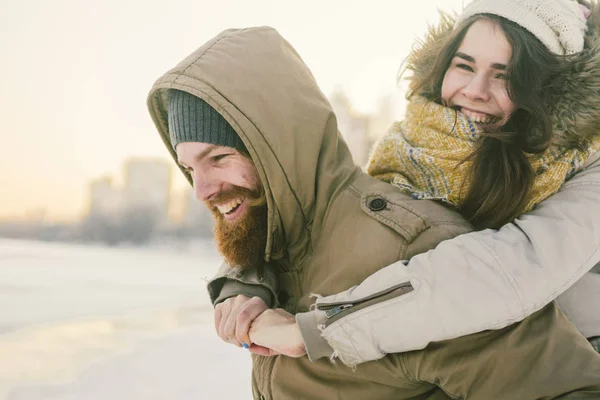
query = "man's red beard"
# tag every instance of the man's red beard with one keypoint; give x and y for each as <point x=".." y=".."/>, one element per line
<point x="241" y="241"/>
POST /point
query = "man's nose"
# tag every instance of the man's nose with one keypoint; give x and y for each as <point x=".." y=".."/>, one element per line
<point x="205" y="187"/>
<point x="477" y="89"/>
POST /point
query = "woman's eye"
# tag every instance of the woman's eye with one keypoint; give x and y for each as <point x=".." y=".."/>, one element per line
<point x="464" y="66"/>
<point x="502" y="76"/>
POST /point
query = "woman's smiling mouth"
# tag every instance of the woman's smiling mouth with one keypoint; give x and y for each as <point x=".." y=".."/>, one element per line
<point x="477" y="116"/>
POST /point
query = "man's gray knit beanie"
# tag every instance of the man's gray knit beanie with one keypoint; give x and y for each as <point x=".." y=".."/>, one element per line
<point x="191" y="119"/>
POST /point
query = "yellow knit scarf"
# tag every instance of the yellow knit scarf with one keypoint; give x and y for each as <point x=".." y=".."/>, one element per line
<point x="422" y="156"/>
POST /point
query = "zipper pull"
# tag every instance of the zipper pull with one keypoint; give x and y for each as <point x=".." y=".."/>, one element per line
<point x="336" y="310"/>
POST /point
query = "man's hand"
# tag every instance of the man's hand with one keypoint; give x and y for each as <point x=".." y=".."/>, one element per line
<point x="276" y="332"/>
<point x="234" y="316"/>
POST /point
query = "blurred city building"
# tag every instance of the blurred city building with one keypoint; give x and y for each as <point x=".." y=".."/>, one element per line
<point x="147" y="186"/>
<point x="105" y="197"/>
<point x="383" y="118"/>
<point x="360" y="131"/>
<point x="133" y="212"/>
<point x="353" y="126"/>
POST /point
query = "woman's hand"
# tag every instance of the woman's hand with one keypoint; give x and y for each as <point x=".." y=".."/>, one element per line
<point x="275" y="332"/>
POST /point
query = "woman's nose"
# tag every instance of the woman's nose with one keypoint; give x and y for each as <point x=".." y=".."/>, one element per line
<point x="477" y="89"/>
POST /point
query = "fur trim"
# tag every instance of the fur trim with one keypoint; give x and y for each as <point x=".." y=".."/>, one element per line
<point x="425" y="52"/>
<point x="576" y="114"/>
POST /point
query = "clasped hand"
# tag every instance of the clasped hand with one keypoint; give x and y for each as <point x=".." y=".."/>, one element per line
<point x="242" y="320"/>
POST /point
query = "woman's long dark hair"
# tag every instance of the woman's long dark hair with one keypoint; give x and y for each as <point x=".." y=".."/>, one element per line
<point x="501" y="176"/>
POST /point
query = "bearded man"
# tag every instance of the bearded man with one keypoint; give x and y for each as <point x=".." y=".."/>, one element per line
<point x="230" y="187"/>
<point x="249" y="127"/>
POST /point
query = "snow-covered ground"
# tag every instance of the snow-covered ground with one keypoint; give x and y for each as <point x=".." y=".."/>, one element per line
<point x="79" y="322"/>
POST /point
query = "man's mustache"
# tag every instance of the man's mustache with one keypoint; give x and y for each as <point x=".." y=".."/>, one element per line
<point x="254" y="197"/>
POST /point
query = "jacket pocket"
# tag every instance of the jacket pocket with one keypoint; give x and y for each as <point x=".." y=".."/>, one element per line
<point x="336" y="310"/>
<point x="391" y="209"/>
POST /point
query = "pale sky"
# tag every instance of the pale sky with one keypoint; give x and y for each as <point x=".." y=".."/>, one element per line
<point x="76" y="74"/>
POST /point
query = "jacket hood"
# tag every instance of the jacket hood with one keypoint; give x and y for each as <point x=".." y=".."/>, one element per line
<point x="261" y="86"/>
<point x="574" y="96"/>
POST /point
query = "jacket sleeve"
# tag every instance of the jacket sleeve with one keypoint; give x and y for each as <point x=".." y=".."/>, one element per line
<point x="228" y="282"/>
<point x="474" y="282"/>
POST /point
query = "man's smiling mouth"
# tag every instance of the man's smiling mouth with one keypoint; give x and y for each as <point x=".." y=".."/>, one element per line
<point x="230" y="207"/>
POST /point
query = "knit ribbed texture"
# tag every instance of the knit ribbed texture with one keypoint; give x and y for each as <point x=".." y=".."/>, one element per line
<point x="559" y="24"/>
<point x="191" y="119"/>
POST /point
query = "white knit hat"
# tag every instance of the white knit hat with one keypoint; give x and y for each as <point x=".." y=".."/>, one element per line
<point x="559" y="24"/>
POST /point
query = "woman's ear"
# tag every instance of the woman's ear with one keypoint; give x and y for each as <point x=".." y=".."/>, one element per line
<point x="586" y="11"/>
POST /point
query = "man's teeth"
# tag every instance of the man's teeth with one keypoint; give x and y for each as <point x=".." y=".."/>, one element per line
<point x="227" y="207"/>
<point x="478" y="117"/>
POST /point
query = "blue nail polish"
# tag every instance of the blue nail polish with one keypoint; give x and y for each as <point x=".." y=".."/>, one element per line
<point x="245" y="346"/>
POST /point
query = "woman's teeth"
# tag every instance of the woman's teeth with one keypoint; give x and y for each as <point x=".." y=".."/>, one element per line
<point x="477" y="116"/>
<point x="226" y="208"/>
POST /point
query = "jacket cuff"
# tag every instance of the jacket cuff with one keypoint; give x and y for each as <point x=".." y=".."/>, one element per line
<point x="261" y="282"/>
<point x="232" y="288"/>
<point x="316" y="345"/>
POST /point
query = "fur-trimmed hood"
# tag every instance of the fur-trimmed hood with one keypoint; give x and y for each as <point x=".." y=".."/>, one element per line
<point x="574" y="96"/>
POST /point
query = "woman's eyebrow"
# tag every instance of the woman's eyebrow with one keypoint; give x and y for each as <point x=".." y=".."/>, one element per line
<point x="464" y="56"/>
<point x="469" y="58"/>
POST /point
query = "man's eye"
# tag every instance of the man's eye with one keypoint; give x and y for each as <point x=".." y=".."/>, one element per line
<point x="219" y="157"/>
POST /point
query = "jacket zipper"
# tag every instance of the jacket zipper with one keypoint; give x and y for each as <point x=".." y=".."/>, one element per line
<point x="333" y="309"/>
